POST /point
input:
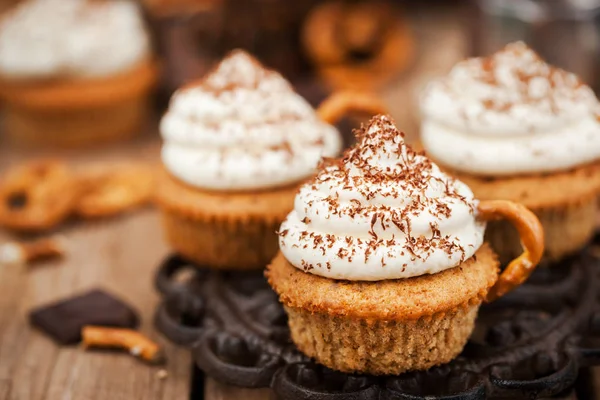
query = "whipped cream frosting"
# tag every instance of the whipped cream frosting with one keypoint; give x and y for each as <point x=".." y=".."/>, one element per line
<point x="510" y="113"/>
<point x="82" y="38"/>
<point x="383" y="211"/>
<point x="243" y="128"/>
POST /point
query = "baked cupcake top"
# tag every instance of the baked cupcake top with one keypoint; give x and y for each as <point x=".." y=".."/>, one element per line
<point x="243" y="127"/>
<point x="383" y="211"/>
<point x="74" y="38"/>
<point x="510" y="113"/>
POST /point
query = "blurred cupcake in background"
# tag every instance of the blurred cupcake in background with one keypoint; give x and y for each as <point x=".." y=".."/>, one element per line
<point x="513" y="127"/>
<point x="74" y="72"/>
<point x="238" y="144"/>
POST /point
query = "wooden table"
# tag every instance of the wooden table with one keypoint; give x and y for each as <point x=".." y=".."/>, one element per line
<point x="121" y="254"/>
<point x="118" y="255"/>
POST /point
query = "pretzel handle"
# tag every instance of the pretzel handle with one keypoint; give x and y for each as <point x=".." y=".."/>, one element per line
<point x="346" y="102"/>
<point x="532" y="239"/>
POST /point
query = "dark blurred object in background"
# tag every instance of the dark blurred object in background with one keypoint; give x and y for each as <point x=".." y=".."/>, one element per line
<point x="192" y="35"/>
<point x="565" y="32"/>
<point x="358" y="44"/>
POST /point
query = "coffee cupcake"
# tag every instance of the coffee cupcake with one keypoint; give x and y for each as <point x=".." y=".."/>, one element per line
<point x="237" y="145"/>
<point x="513" y="127"/>
<point x="383" y="264"/>
<point x="74" y="72"/>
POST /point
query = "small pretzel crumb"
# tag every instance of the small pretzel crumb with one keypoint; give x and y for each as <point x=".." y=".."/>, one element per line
<point x="162" y="374"/>
<point x="11" y="253"/>
<point x="128" y="339"/>
<point x="28" y="252"/>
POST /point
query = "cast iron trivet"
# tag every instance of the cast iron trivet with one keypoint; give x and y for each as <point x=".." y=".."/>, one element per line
<point x="529" y="344"/>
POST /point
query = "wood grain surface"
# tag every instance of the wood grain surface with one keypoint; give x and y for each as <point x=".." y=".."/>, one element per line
<point x="118" y="255"/>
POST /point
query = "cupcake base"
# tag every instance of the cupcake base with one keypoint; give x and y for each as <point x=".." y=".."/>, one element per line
<point x="381" y="347"/>
<point x="223" y="230"/>
<point x="79" y="112"/>
<point x="566" y="204"/>
<point x="384" y="327"/>
<point x="221" y="244"/>
<point x="76" y="128"/>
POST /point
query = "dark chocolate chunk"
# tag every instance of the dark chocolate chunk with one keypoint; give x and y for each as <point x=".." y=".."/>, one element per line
<point x="63" y="320"/>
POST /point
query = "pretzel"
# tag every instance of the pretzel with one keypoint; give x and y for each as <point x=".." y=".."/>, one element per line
<point x="36" y="196"/>
<point x="28" y="252"/>
<point x="104" y="192"/>
<point x="357" y="45"/>
<point x="344" y="102"/>
<point x="128" y="339"/>
<point x="532" y="238"/>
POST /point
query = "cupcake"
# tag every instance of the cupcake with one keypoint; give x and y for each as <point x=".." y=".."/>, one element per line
<point x="237" y="146"/>
<point x="513" y="127"/>
<point x="383" y="264"/>
<point x="74" y="72"/>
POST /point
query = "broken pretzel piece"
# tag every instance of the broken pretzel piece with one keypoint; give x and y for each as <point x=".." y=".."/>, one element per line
<point x="36" y="196"/>
<point x="128" y="339"/>
<point x="28" y="252"/>
<point x="108" y="191"/>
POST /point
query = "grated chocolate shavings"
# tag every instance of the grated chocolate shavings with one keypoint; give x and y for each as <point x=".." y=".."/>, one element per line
<point x="394" y="185"/>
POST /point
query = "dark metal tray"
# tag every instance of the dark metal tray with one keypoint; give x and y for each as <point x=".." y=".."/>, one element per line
<point x="530" y="344"/>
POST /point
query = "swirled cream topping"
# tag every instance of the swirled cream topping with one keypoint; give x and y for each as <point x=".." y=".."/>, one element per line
<point x="47" y="38"/>
<point x="383" y="211"/>
<point x="243" y="128"/>
<point x="510" y="113"/>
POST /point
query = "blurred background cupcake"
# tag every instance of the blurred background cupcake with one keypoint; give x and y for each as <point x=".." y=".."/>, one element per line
<point x="238" y="143"/>
<point x="74" y="72"/>
<point x="513" y="127"/>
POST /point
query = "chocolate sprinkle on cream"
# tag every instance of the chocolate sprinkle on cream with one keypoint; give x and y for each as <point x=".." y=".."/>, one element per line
<point x="243" y="127"/>
<point x="381" y="204"/>
<point x="510" y="113"/>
